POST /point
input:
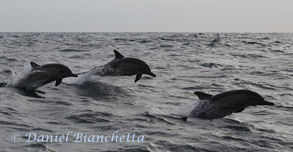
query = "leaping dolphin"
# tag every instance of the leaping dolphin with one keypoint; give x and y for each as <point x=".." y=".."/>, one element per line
<point x="124" y="66"/>
<point x="223" y="104"/>
<point x="41" y="75"/>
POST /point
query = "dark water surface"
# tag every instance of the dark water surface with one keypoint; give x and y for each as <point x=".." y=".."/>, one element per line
<point x="183" y="63"/>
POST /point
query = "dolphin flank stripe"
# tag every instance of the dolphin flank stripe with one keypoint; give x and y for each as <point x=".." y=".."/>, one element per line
<point x="41" y="75"/>
<point x="226" y="103"/>
<point x="124" y="66"/>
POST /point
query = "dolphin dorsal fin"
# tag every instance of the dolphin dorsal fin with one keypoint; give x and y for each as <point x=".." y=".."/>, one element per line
<point x="34" y="65"/>
<point x="203" y="96"/>
<point x="118" y="55"/>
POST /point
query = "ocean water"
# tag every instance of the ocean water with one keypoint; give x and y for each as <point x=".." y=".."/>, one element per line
<point x="152" y="107"/>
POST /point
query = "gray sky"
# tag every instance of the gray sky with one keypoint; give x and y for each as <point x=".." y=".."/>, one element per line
<point x="146" y="15"/>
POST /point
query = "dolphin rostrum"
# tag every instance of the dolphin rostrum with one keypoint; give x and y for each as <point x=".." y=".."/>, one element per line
<point x="124" y="66"/>
<point x="41" y="75"/>
<point x="223" y="104"/>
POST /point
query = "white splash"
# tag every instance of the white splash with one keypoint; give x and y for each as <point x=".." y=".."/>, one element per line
<point x="201" y="107"/>
<point x="17" y="77"/>
<point x="80" y="80"/>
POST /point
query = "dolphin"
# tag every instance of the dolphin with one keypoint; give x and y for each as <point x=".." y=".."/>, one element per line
<point x="41" y="75"/>
<point x="223" y="104"/>
<point x="124" y="66"/>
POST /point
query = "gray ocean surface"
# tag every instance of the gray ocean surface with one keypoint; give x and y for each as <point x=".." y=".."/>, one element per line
<point x="183" y="62"/>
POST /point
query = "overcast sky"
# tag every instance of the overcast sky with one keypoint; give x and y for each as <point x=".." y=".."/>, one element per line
<point x="146" y="15"/>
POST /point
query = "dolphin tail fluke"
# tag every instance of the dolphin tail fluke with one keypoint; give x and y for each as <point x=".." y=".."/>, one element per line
<point x="58" y="81"/>
<point x="138" y="76"/>
<point x="34" y="65"/>
<point x="118" y="55"/>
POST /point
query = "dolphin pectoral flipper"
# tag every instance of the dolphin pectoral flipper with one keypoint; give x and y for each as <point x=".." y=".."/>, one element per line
<point x="118" y="55"/>
<point x="138" y="76"/>
<point x="58" y="81"/>
<point x="34" y="65"/>
<point x="203" y="96"/>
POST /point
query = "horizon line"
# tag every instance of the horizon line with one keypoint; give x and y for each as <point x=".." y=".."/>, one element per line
<point x="131" y="32"/>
